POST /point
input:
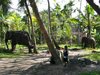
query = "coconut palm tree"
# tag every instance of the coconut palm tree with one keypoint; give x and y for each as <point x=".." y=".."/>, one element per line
<point x="49" y="19"/>
<point x="53" y="51"/>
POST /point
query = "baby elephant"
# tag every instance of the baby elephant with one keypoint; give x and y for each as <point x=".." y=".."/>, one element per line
<point x="88" y="42"/>
<point x="18" y="37"/>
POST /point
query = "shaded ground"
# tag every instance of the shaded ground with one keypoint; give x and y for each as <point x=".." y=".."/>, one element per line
<point x="39" y="65"/>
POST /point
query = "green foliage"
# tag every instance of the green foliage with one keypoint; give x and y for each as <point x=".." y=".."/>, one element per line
<point x="20" y="51"/>
<point x="5" y="5"/>
<point x="7" y="54"/>
<point x="62" y="23"/>
<point x="89" y="10"/>
<point x="90" y="73"/>
<point x="21" y="3"/>
<point x="67" y="30"/>
<point x="3" y="26"/>
<point x="12" y="21"/>
<point x="95" y="56"/>
<point x="83" y="17"/>
<point x="97" y="37"/>
<point x="74" y="20"/>
<point x="42" y="47"/>
<point x="10" y="55"/>
<point x="97" y="29"/>
<point x="15" y="22"/>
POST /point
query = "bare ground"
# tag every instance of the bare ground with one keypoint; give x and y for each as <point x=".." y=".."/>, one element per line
<point x="38" y="64"/>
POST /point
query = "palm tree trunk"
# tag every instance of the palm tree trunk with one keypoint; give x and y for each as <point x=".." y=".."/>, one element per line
<point x="32" y="34"/>
<point x="50" y="29"/>
<point x="29" y="30"/>
<point x="53" y="51"/>
<point x="56" y="44"/>
<point x="49" y="20"/>
<point x="79" y="27"/>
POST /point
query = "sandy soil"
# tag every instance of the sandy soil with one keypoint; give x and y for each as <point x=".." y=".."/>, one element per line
<point x="38" y="64"/>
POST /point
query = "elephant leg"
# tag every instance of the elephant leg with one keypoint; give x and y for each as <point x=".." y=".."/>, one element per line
<point x="6" y="42"/>
<point x="7" y="46"/>
<point x="93" y="45"/>
<point x="13" y="45"/>
<point x="84" y="42"/>
<point x="30" y="51"/>
<point x="85" y="45"/>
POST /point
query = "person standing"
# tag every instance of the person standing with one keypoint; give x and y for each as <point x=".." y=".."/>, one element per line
<point x="65" y="55"/>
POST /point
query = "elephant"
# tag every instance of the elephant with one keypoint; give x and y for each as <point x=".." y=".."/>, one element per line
<point x="88" y="42"/>
<point x="18" y="37"/>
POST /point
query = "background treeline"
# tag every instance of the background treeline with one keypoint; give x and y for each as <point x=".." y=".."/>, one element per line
<point x="63" y="25"/>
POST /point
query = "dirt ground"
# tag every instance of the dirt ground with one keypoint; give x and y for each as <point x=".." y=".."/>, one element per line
<point x="38" y="64"/>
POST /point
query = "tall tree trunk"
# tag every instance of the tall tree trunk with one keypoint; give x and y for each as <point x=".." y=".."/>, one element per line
<point x="29" y="30"/>
<point x="55" y="43"/>
<point x="79" y="27"/>
<point x="89" y="28"/>
<point x="53" y="51"/>
<point x="50" y="29"/>
<point x="32" y="33"/>
<point x="94" y="6"/>
<point x="49" y="19"/>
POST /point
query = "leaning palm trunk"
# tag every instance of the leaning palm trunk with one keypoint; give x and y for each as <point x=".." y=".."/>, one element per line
<point x="53" y="51"/>
<point x="49" y="20"/>
<point x="55" y="43"/>
<point x="32" y="33"/>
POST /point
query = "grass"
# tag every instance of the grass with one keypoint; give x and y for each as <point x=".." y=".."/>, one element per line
<point x="42" y="47"/>
<point x="7" y="53"/>
<point x="91" y="73"/>
<point x="73" y="46"/>
<point x="19" y="52"/>
<point x="4" y="53"/>
<point x="93" y="56"/>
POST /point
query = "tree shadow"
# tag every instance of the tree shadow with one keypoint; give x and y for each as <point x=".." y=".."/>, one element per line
<point x="75" y="49"/>
<point x="3" y="50"/>
<point x="74" y="67"/>
<point x="44" y="68"/>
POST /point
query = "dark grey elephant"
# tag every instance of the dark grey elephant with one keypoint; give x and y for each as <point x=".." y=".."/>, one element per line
<point x="18" y="37"/>
<point x="88" y="42"/>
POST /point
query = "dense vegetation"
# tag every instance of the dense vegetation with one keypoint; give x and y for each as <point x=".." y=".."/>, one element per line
<point x="53" y="24"/>
<point x="63" y="25"/>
